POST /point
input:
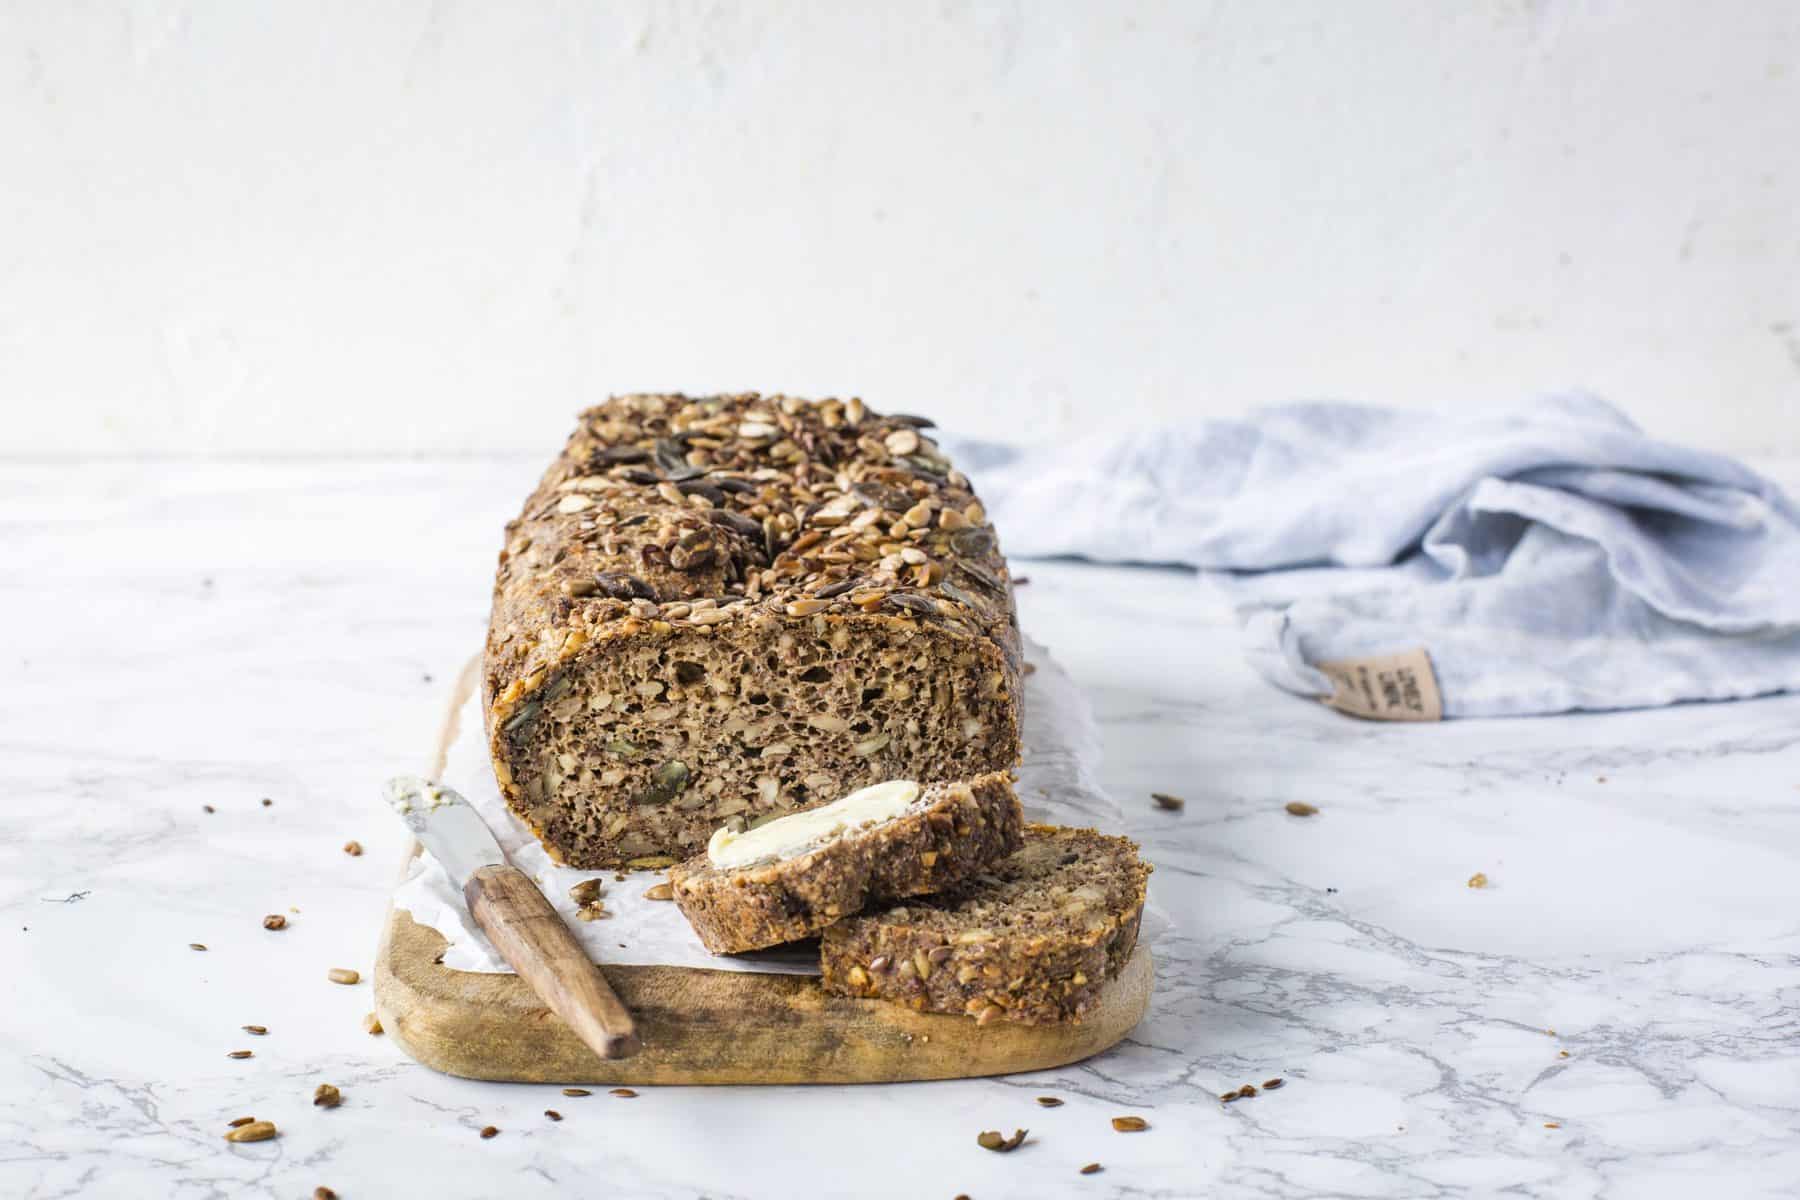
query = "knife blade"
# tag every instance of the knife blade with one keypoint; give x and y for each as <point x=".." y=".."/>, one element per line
<point x="507" y="906"/>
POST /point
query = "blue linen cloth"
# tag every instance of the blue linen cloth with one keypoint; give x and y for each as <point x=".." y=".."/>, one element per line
<point x="1549" y="558"/>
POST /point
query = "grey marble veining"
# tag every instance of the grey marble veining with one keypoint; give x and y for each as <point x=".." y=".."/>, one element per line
<point x="177" y="635"/>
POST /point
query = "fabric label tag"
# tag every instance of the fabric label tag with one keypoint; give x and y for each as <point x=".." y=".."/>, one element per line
<point x="1386" y="687"/>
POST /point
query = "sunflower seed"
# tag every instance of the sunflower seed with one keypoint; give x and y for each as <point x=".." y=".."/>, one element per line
<point x="1300" y="808"/>
<point x="240" y="1122"/>
<point x="241" y="1054"/>
<point x="255" y="1131"/>
<point x="623" y="1093"/>
<point x="1049" y="1102"/>
<point x="901" y="442"/>
<point x="488" y="1131"/>
<point x="1130" y="1124"/>
<point x="1270" y="1085"/>
<point x="1090" y="1169"/>
<point x="836" y="589"/>
<point x="585" y="892"/>
<point x="553" y="1114"/>
<point x="1167" y="802"/>
<point x="258" y="1030"/>
<point x="909" y="419"/>
<point x="274" y="921"/>
<point x="660" y="891"/>
<point x="650" y="862"/>
<point x="623" y="586"/>
<point x="576" y="1092"/>
<point x="327" y="1096"/>
<point x="343" y="975"/>
<point x="196" y="945"/>
<point x="324" y="1193"/>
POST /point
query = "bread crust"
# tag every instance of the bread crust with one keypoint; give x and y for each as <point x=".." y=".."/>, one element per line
<point x="955" y="831"/>
<point x="684" y="559"/>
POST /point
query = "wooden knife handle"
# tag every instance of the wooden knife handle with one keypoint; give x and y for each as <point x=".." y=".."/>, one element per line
<point x="529" y="935"/>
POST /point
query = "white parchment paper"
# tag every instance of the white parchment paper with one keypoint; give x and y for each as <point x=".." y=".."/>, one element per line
<point x="1056" y="784"/>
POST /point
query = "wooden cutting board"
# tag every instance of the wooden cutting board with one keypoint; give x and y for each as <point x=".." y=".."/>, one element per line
<point x="701" y="1026"/>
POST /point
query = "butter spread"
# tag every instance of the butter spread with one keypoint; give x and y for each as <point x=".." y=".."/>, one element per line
<point x="789" y="836"/>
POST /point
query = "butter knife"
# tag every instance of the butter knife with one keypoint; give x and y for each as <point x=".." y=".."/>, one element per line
<point x="518" y="920"/>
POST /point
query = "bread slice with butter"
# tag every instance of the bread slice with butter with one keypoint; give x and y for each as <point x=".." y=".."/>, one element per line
<point x="791" y="877"/>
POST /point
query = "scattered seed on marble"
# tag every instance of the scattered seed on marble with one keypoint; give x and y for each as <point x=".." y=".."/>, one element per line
<point x="1552" y="1124"/>
<point x="353" y="849"/>
<point x="576" y="1092"/>
<point x="624" y="1093"/>
<point x="371" y="1024"/>
<point x="267" y="802"/>
<point x="585" y="892"/>
<point x="592" y="912"/>
<point x="1049" y="1102"/>
<point x="488" y="1131"/>
<point x="1090" y="1169"/>
<point x="196" y="945"/>
<point x="209" y="808"/>
<point x="1562" y="1054"/>
<point x="991" y="1140"/>
<point x="255" y="1131"/>
<point x="241" y="1054"/>
<point x="660" y="891"/>
<point x="1130" y="1124"/>
<point x="240" y="1122"/>
<point x="553" y="1114"/>
<point x="1247" y="1091"/>
<point x="1167" y="802"/>
<point x="343" y="975"/>
<point x="324" y="1193"/>
<point x="1301" y="808"/>
<point x="1270" y="1085"/>
<point x="258" y="1030"/>
<point x="1478" y="880"/>
<point x="274" y="921"/>
<point x="327" y="1096"/>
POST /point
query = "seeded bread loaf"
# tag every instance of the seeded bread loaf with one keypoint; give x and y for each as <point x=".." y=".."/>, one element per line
<point x="1032" y="939"/>
<point x="949" y="833"/>
<point x="741" y="606"/>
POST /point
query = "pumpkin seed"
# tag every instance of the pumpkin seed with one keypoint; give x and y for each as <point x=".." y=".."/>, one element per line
<point x="623" y="748"/>
<point x="991" y="1140"/>
<point x="918" y="604"/>
<point x="666" y="782"/>
<point x="240" y="1122"/>
<point x="528" y="712"/>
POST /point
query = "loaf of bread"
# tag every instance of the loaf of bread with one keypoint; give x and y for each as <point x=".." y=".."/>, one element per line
<point x="1032" y="939"/>
<point x="791" y="883"/>
<point x="739" y="607"/>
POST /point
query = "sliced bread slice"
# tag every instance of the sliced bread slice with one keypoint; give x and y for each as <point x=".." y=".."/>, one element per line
<point x="791" y="877"/>
<point x="1032" y="938"/>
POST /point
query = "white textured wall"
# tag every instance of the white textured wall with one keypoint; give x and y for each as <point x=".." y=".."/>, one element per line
<point x="387" y="226"/>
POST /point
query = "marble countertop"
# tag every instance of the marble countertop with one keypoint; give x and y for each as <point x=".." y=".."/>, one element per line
<point x="1613" y="1015"/>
